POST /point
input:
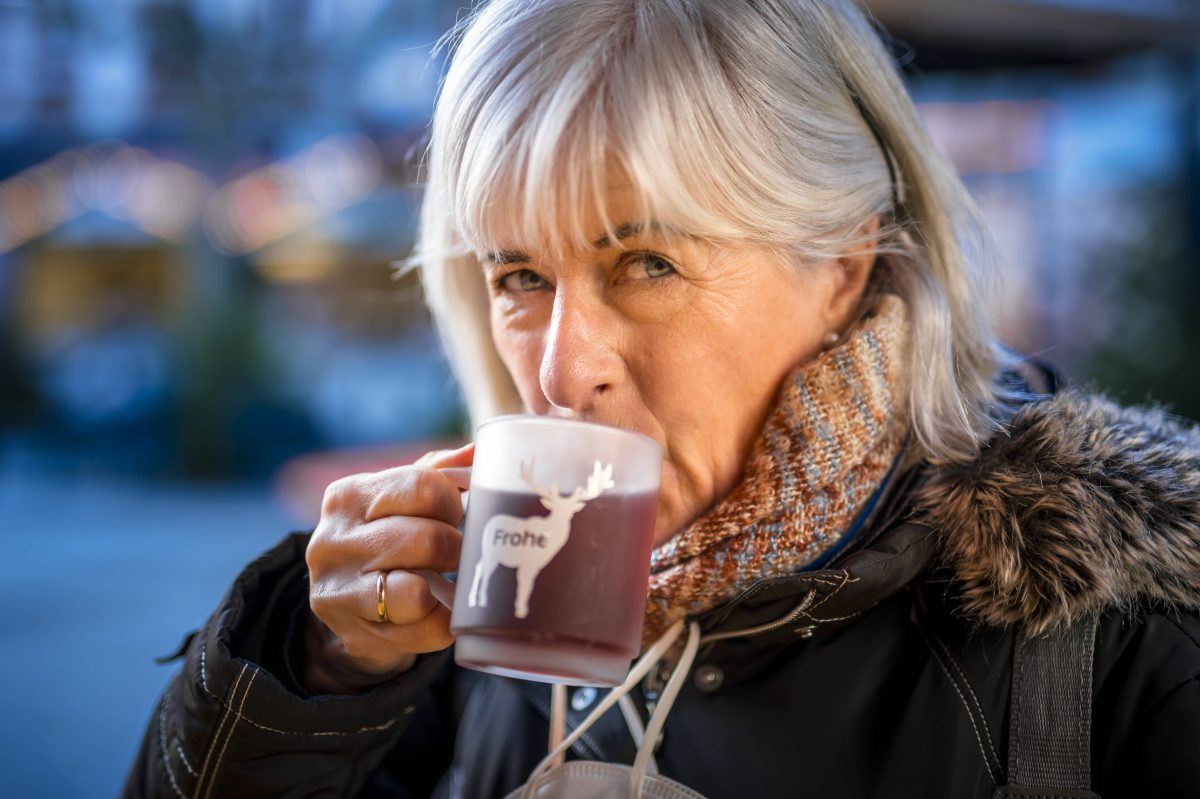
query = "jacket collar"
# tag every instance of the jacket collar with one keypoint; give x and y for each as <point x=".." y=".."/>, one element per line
<point x="890" y="552"/>
<point x="1078" y="506"/>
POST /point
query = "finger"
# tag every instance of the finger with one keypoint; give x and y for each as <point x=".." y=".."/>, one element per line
<point x="397" y="542"/>
<point x="429" y="634"/>
<point x="454" y="463"/>
<point x="376" y="647"/>
<point x="406" y="596"/>
<point x="421" y="544"/>
<point x="412" y="491"/>
<point x="394" y="542"/>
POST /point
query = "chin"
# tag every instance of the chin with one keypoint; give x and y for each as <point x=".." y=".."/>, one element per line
<point x="674" y="511"/>
<point x="679" y="504"/>
<point x="666" y="522"/>
<point x="662" y="535"/>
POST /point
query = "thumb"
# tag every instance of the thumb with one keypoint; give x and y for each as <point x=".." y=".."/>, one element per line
<point x="454" y="463"/>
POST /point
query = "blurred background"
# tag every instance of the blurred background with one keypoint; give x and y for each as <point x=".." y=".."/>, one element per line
<point x="200" y="325"/>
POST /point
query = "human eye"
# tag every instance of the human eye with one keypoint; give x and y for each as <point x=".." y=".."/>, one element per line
<point x="645" y="265"/>
<point x="520" y="280"/>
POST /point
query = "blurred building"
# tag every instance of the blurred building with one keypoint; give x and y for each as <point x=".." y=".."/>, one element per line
<point x="201" y="201"/>
<point x="200" y="204"/>
<point x="1076" y="123"/>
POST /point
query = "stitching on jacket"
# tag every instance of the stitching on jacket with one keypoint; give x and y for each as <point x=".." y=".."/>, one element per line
<point x="360" y="730"/>
<point x="883" y="562"/>
<point x="204" y="672"/>
<point x="162" y="746"/>
<point x="846" y="579"/>
<point x="970" y="692"/>
<point x="834" y="592"/>
<point x="972" y="719"/>
<point x="870" y="567"/>
<point x="970" y="716"/>
<point x="990" y="758"/>
<point x="820" y="620"/>
<point x="216" y="765"/>
<point x="721" y="614"/>
<point x="162" y="737"/>
<point x="204" y="771"/>
<point x="183" y="759"/>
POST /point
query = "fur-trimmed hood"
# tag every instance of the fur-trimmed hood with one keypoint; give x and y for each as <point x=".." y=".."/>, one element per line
<point x="1079" y="507"/>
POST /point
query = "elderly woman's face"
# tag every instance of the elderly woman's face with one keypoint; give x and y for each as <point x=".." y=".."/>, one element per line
<point x="679" y="339"/>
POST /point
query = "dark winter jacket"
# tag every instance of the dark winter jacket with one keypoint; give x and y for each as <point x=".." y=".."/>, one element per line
<point x="885" y="673"/>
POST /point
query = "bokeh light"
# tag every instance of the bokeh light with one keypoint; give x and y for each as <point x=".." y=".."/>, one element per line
<point x="201" y="205"/>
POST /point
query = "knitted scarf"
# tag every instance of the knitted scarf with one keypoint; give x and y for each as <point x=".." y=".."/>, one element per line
<point x="837" y="426"/>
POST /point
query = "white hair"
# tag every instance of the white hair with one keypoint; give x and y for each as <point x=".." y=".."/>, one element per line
<point x="778" y="122"/>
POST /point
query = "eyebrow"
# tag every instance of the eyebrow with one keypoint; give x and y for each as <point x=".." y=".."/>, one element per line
<point x="623" y="232"/>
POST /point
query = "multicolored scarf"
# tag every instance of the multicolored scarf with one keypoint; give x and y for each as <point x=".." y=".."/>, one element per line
<point x="836" y="428"/>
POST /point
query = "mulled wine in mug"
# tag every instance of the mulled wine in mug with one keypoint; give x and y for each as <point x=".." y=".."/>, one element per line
<point x="556" y="550"/>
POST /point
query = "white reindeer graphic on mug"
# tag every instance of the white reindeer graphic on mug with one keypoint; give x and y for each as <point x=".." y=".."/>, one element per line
<point x="528" y="544"/>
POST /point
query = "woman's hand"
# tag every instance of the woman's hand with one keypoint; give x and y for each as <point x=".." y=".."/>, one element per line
<point x="391" y="522"/>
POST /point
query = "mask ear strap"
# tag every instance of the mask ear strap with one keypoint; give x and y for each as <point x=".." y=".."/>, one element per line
<point x="636" y="730"/>
<point x="558" y="720"/>
<point x="640" y="669"/>
<point x="659" y="719"/>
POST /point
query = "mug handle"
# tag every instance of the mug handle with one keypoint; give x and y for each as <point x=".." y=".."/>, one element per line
<point x="459" y="475"/>
<point x="441" y="587"/>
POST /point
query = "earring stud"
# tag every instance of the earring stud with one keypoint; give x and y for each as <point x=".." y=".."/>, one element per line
<point x="830" y="339"/>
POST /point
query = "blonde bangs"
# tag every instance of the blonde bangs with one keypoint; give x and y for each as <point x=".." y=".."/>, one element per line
<point x="532" y="143"/>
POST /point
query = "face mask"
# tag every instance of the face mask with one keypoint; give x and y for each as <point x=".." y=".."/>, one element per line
<point x="587" y="779"/>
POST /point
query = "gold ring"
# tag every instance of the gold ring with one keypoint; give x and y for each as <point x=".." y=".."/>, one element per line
<point x="381" y="597"/>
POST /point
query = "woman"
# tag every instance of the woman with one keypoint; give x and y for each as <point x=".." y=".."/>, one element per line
<point x="720" y="224"/>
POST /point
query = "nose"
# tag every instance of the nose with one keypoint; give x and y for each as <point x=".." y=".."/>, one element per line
<point x="580" y="364"/>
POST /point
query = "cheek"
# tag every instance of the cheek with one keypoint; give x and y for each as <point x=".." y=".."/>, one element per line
<point x="520" y="351"/>
<point x="696" y="394"/>
<point x="711" y="392"/>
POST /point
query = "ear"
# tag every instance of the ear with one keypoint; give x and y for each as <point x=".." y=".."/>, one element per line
<point x="849" y="277"/>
